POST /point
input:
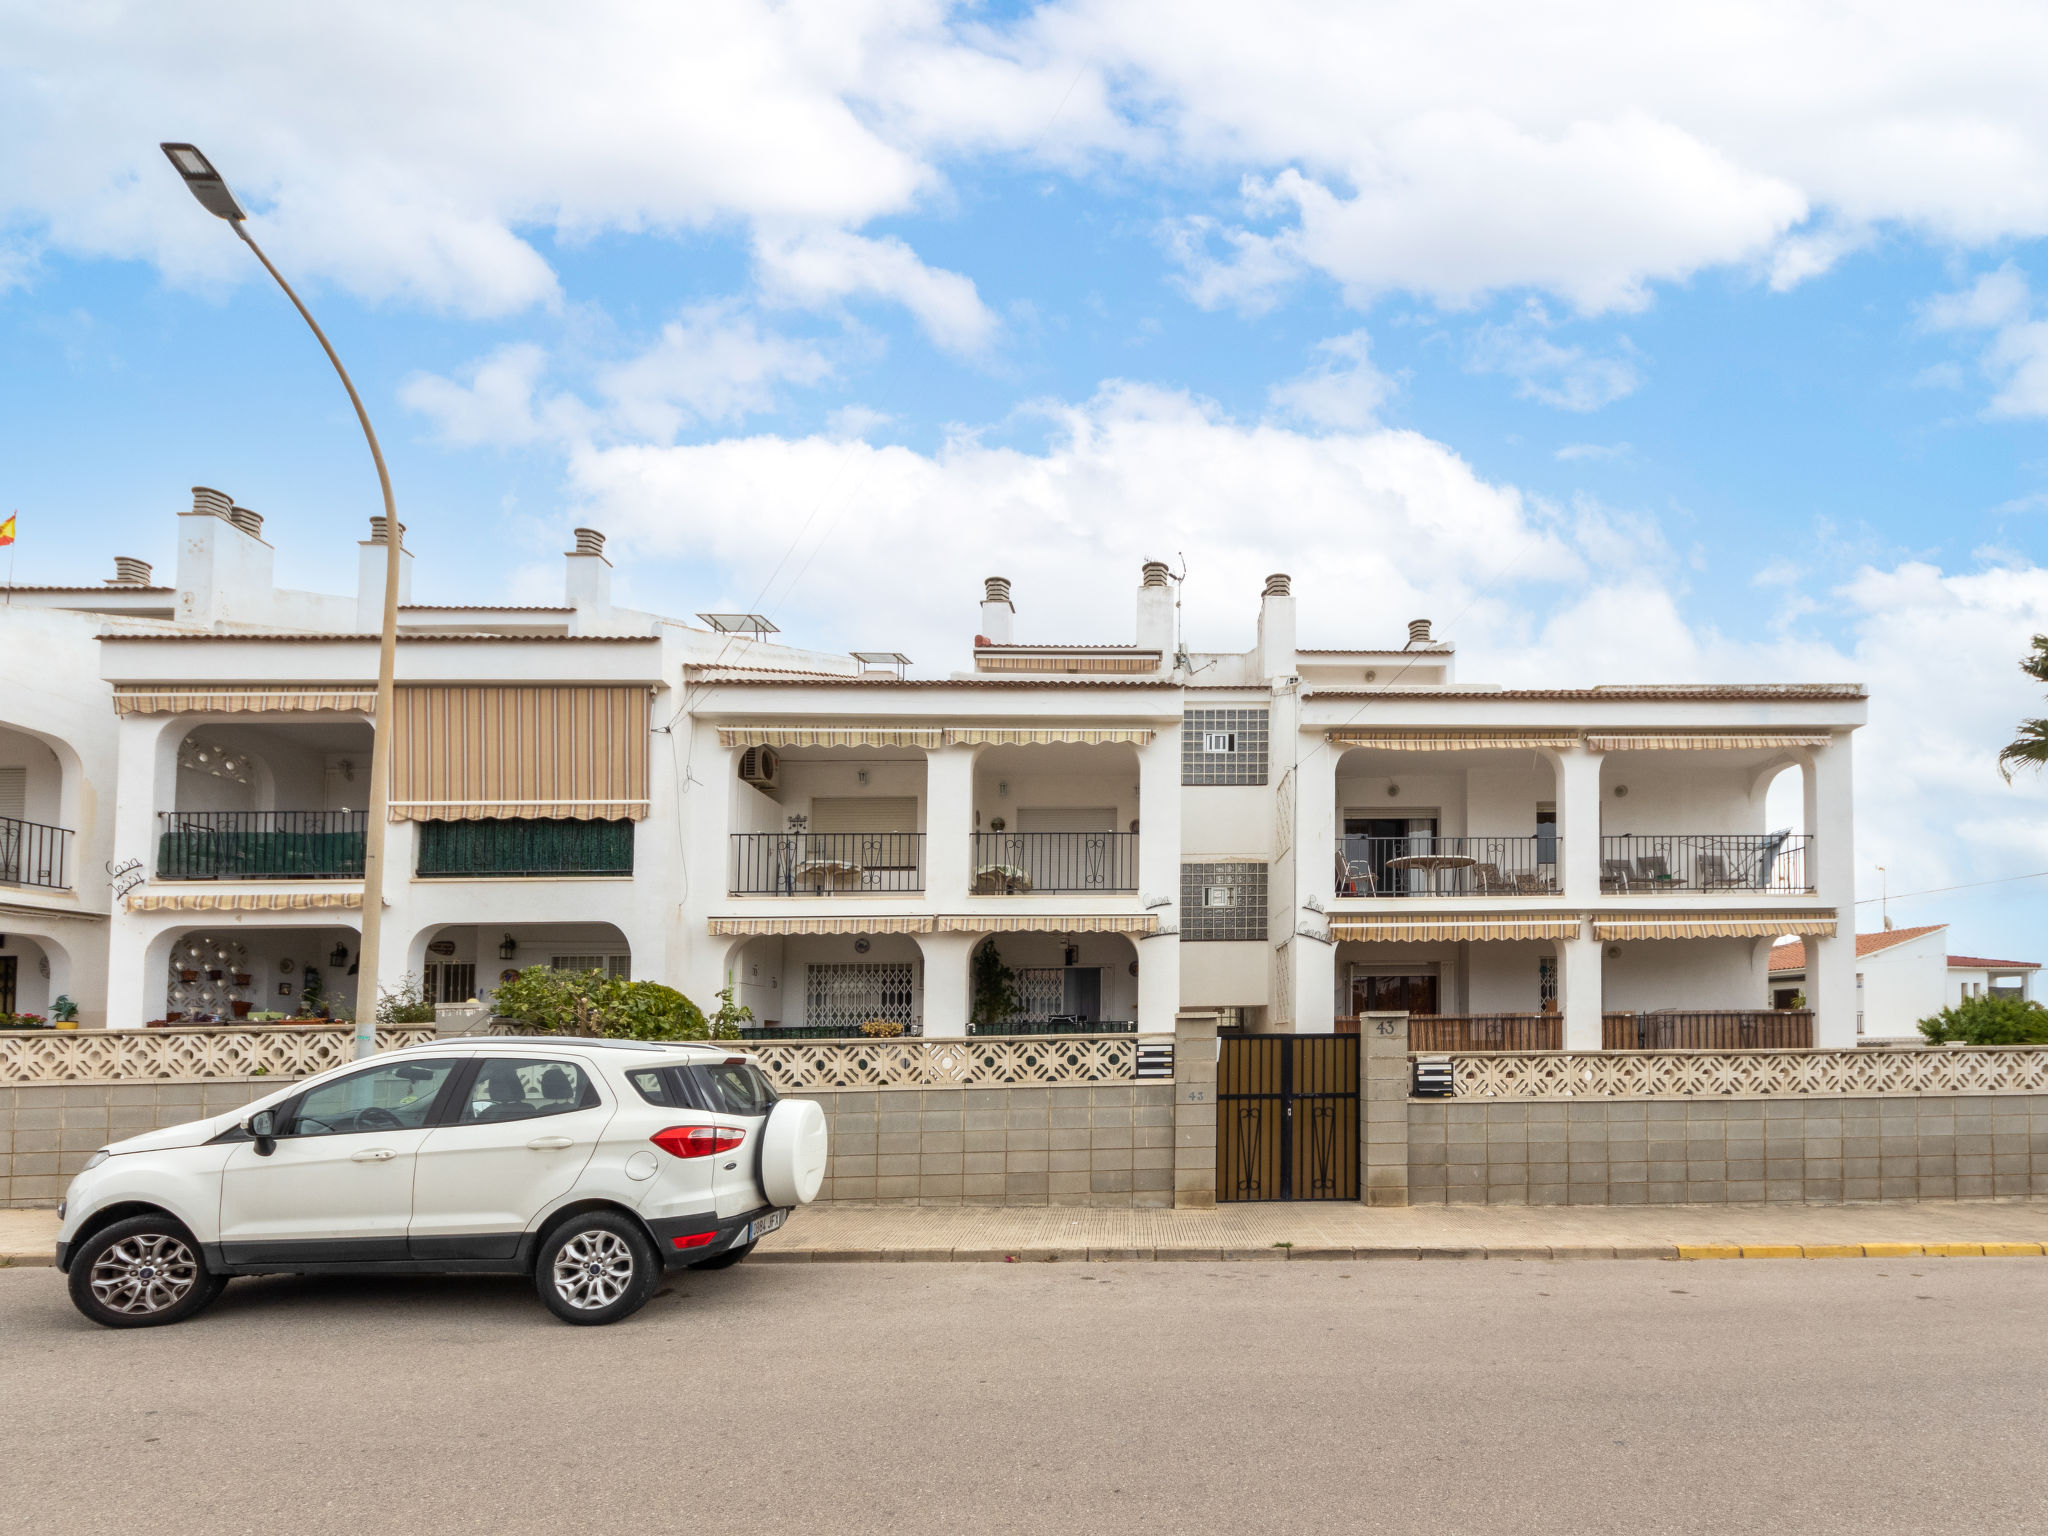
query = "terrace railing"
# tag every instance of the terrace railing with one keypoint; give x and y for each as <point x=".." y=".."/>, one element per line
<point x="1764" y="1029"/>
<point x="1012" y="863"/>
<point x="1486" y="1032"/>
<point x="454" y="850"/>
<point x="1424" y="864"/>
<point x="33" y="854"/>
<point x="825" y="863"/>
<point x="261" y="845"/>
<point x="1650" y="863"/>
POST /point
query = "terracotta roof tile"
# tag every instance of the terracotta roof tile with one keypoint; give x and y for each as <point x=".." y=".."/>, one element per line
<point x="1975" y="963"/>
<point x="1792" y="956"/>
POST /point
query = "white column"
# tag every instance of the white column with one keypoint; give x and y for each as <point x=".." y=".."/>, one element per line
<point x="1159" y="825"/>
<point x="1831" y="856"/>
<point x="946" y="994"/>
<point x="1580" y="977"/>
<point x="1158" y="984"/>
<point x="1314" y="979"/>
<point x="1578" y="822"/>
<point x="145" y="782"/>
<point x="948" y="826"/>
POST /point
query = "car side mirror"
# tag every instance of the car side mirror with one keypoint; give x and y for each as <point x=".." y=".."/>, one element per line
<point x="263" y="1126"/>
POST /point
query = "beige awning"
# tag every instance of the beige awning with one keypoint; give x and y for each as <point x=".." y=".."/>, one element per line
<point x="1097" y="922"/>
<point x="573" y="752"/>
<point x="248" y="901"/>
<point x="760" y="927"/>
<point x="1693" y="741"/>
<point x="829" y="736"/>
<point x="1447" y="740"/>
<point x="235" y="699"/>
<point x="1713" y="925"/>
<point x="1021" y="736"/>
<point x="1480" y="926"/>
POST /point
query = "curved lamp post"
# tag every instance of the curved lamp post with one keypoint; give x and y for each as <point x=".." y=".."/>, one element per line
<point x="213" y="194"/>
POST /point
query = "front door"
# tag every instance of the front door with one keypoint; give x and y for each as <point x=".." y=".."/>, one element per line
<point x="521" y="1136"/>
<point x="1287" y="1117"/>
<point x="7" y="975"/>
<point x="1414" y="993"/>
<point x="338" y="1186"/>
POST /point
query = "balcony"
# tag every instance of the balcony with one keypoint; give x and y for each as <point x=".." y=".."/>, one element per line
<point x="33" y="854"/>
<point x="503" y="849"/>
<point x="825" y="863"/>
<point x="1013" y="863"/>
<point x="1424" y="864"/>
<point x="261" y="845"/>
<point x="1735" y="863"/>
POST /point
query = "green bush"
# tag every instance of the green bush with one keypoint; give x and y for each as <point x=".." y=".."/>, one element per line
<point x="407" y="1003"/>
<point x="592" y="1003"/>
<point x="1989" y="1020"/>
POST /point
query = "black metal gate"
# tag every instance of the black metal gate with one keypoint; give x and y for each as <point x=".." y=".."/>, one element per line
<point x="1287" y="1118"/>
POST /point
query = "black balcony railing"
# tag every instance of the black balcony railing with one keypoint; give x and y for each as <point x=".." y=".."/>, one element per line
<point x="1012" y="863"/>
<point x="1424" y="864"/>
<point x="507" y="848"/>
<point x="1646" y="863"/>
<point x="261" y="845"/>
<point x="1056" y="1026"/>
<point x="33" y="854"/>
<point x="822" y="863"/>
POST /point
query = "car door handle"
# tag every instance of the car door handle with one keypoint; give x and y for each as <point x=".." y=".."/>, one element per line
<point x="551" y="1143"/>
<point x="372" y="1155"/>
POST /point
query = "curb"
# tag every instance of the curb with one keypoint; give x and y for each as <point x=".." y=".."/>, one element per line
<point x="1301" y="1252"/>
<point x="42" y="1258"/>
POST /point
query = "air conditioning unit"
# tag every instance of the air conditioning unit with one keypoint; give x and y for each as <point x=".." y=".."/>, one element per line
<point x="759" y="765"/>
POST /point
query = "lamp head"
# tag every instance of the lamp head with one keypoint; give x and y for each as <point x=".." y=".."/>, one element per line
<point x="205" y="182"/>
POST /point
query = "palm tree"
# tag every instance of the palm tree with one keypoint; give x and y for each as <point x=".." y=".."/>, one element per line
<point x="2029" y="748"/>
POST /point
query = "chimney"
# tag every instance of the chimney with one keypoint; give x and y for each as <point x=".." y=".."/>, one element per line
<point x="998" y="614"/>
<point x="129" y="572"/>
<point x="207" y="502"/>
<point x="1418" y="633"/>
<point x="589" y="584"/>
<point x="371" y="557"/>
<point x="225" y="570"/>
<point x="1155" y="611"/>
<point x="249" y="522"/>
<point x="1276" y="627"/>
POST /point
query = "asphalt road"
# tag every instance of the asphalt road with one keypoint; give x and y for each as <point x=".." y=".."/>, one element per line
<point x="1816" y="1396"/>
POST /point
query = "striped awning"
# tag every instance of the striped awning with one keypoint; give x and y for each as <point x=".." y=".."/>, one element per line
<point x="1022" y="736"/>
<point x="248" y="901"/>
<point x="853" y="735"/>
<point x="1713" y="925"/>
<point x="235" y="699"/>
<point x="1481" y="926"/>
<point x="761" y="927"/>
<point x="1695" y="741"/>
<point x="1094" y="922"/>
<point x="1448" y="740"/>
<point x="572" y="752"/>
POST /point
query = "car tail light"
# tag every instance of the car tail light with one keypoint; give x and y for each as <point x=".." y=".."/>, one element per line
<point x="693" y="1239"/>
<point x="698" y="1140"/>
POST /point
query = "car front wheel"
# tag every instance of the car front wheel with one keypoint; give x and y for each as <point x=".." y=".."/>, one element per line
<point x="596" y="1268"/>
<point x="141" y="1273"/>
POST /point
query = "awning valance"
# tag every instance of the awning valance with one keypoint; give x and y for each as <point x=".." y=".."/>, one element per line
<point x="1025" y="736"/>
<point x="1095" y="922"/>
<point x="247" y="901"/>
<point x="1713" y="925"/>
<point x="1694" y="741"/>
<point x="236" y="699"/>
<point x="571" y="752"/>
<point x="1480" y="926"/>
<point x="829" y="736"/>
<point x="762" y="927"/>
<point x="1448" y="740"/>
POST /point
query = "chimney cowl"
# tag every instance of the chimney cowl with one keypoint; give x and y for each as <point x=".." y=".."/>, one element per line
<point x="207" y="502"/>
<point x="377" y="532"/>
<point x="996" y="589"/>
<point x="129" y="572"/>
<point x="1279" y="584"/>
<point x="249" y="522"/>
<point x="1418" y="632"/>
<point x="589" y="542"/>
<point x="1156" y="572"/>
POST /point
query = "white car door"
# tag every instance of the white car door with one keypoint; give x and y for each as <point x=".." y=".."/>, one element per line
<point x="741" y="1097"/>
<point x="521" y="1135"/>
<point x="337" y="1185"/>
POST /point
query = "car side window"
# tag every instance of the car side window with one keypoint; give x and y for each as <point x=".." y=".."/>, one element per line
<point x="525" y="1088"/>
<point x="398" y="1097"/>
<point x="738" y="1088"/>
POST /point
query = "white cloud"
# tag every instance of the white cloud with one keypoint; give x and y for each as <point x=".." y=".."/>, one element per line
<point x="1342" y="390"/>
<point x="2016" y="361"/>
<point x="713" y="365"/>
<point x="1567" y="377"/>
<point x="819" y="267"/>
<point x="492" y="402"/>
<point x="1579" y="452"/>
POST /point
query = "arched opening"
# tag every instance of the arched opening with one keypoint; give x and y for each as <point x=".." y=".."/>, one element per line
<point x="284" y="801"/>
<point x="230" y="974"/>
<point x="813" y="821"/>
<point x="1416" y="823"/>
<point x="1047" y="983"/>
<point x="1727" y="821"/>
<point x="458" y="962"/>
<point x="35" y="844"/>
<point x="829" y="985"/>
<point x="1055" y="818"/>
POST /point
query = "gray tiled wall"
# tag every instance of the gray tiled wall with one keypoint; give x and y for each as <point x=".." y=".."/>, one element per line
<point x="1660" y="1151"/>
<point x="1111" y="1145"/>
<point x="48" y="1130"/>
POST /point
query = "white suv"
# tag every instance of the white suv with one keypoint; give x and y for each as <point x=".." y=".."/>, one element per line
<point x="591" y="1165"/>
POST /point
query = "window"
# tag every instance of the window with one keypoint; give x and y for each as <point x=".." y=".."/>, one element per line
<point x="394" y="1098"/>
<point x="618" y="966"/>
<point x="1223" y="746"/>
<point x="737" y="1087"/>
<point x="516" y="1088"/>
<point x="1222" y="901"/>
<point x="849" y="995"/>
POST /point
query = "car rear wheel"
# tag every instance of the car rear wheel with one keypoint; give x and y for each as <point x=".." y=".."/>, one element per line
<point x="727" y="1259"/>
<point x="143" y="1272"/>
<point x="596" y="1268"/>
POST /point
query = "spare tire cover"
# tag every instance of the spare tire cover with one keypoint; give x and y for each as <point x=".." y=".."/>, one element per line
<point x="793" y="1150"/>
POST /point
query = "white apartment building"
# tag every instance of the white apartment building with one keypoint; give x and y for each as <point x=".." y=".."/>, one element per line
<point x="1292" y="835"/>
<point x="1904" y="975"/>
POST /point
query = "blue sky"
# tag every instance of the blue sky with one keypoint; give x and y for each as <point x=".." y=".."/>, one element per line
<point x="1695" y="346"/>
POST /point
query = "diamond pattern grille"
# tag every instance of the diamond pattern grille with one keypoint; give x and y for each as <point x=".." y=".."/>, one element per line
<point x="1749" y="1074"/>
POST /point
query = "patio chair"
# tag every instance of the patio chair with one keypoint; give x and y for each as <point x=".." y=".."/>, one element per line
<point x="1653" y="869"/>
<point x="1767" y="858"/>
<point x="1355" y="878"/>
<point x="1487" y="880"/>
<point x="1615" y="875"/>
<point x="1712" y="871"/>
<point x="1531" y="883"/>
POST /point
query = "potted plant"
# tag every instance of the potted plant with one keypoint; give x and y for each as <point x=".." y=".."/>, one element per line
<point x="188" y="977"/>
<point x="64" y="1011"/>
<point x="240" y="1006"/>
<point x="242" y="978"/>
<point x="213" y="975"/>
<point x="881" y="1029"/>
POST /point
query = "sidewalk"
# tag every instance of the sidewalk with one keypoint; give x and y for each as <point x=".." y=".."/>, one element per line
<point x="1273" y="1233"/>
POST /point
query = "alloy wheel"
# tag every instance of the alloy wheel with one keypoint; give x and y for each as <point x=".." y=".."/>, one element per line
<point x="593" y="1270"/>
<point x="146" y="1273"/>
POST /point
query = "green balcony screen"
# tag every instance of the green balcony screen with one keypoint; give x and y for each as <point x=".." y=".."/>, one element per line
<point x="474" y="849"/>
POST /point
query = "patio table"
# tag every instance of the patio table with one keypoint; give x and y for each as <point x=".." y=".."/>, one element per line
<point x="1432" y="865"/>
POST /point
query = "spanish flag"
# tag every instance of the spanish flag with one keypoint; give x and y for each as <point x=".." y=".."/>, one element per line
<point x="7" y="530"/>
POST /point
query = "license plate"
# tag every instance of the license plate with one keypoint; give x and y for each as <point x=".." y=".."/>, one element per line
<point x="765" y="1225"/>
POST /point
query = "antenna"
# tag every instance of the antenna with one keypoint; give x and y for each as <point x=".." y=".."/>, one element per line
<point x="1180" y="634"/>
<point x="1884" y="897"/>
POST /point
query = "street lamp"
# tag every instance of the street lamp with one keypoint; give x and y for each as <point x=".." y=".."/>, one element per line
<point x="212" y="191"/>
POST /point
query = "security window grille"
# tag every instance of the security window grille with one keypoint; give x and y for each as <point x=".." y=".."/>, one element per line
<point x="620" y="966"/>
<point x="1222" y="901"/>
<point x="848" y="996"/>
<point x="1223" y="746"/>
<point x="450" y="982"/>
